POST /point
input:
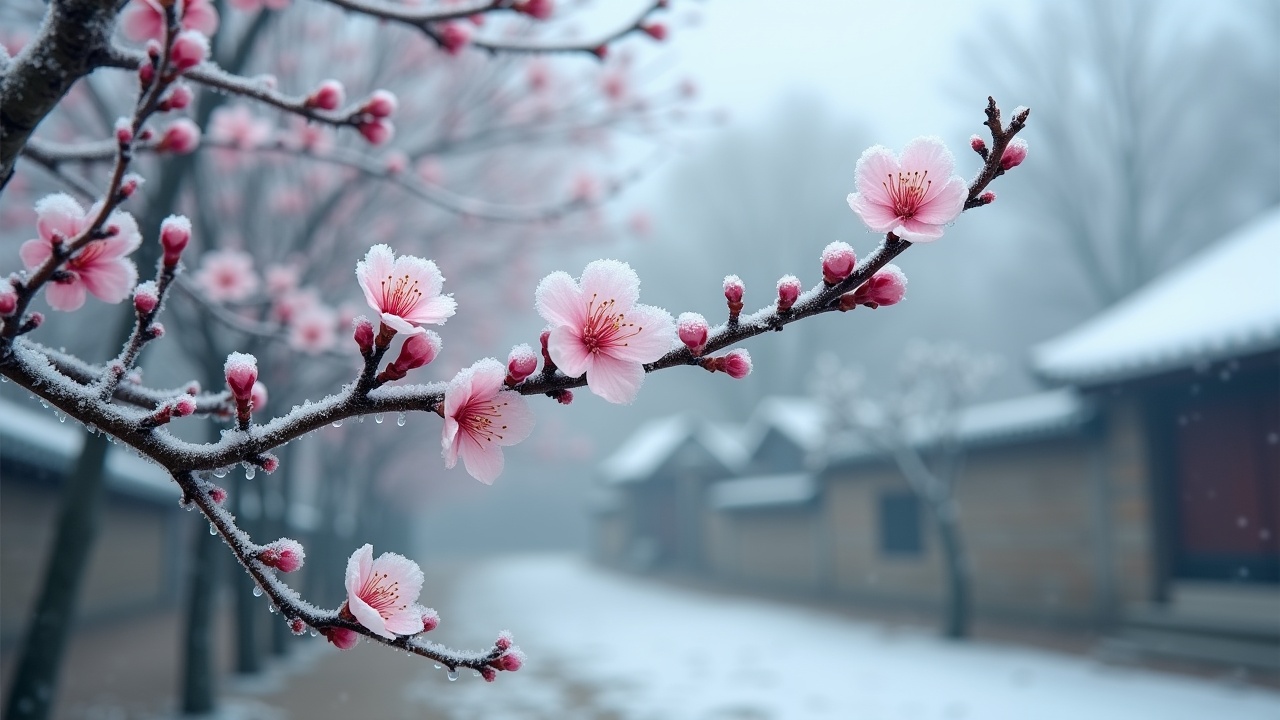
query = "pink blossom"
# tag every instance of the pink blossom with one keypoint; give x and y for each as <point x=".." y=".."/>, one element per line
<point x="377" y="131"/>
<point x="480" y="418"/>
<point x="382" y="593"/>
<point x="145" y="297"/>
<point x="598" y="329"/>
<point x="181" y="137"/>
<point x="978" y="144"/>
<point x="238" y="126"/>
<point x="328" y="95"/>
<point x="737" y="363"/>
<point x="144" y="19"/>
<point x="887" y="287"/>
<point x="536" y="9"/>
<point x="280" y="279"/>
<point x="404" y="291"/>
<point x="363" y="334"/>
<point x="381" y="104"/>
<point x="293" y="303"/>
<point x="314" y="330"/>
<point x="913" y="197"/>
<point x="692" y="329"/>
<point x="521" y="363"/>
<point x="190" y="48"/>
<point x="341" y="637"/>
<point x="227" y="275"/>
<point x="657" y="31"/>
<point x="733" y="288"/>
<point x="100" y="267"/>
<point x="454" y="37"/>
<point x="838" y="261"/>
<point x="430" y="618"/>
<point x="8" y="301"/>
<point x="418" y="350"/>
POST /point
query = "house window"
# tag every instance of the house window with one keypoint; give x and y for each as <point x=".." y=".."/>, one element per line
<point x="900" y="531"/>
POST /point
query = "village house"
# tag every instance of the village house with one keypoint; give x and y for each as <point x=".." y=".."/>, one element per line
<point x="1140" y="495"/>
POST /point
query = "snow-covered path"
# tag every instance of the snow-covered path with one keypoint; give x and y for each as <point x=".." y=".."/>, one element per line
<point x="602" y="645"/>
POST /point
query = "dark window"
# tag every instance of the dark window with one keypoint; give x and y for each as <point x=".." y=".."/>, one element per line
<point x="900" y="532"/>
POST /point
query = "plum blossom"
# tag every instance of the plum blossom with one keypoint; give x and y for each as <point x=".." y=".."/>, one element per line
<point x="144" y="19"/>
<point x="599" y="329"/>
<point x="238" y="126"/>
<point x="480" y="418"/>
<point x="100" y="267"/>
<point x="405" y="291"/>
<point x="227" y="275"/>
<point x="912" y="197"/>
<point x="314" y="330"/>
<point x="382" y="594"/>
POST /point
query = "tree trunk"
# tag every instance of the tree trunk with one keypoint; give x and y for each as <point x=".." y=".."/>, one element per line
<point x="35" y="682"/>
<point x="955" y="613"/>
<point x="199" y="676"/>
<point x="248" y="659"/>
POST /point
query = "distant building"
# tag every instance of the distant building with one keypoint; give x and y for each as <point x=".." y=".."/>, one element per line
<point x="135" y="563"/>
<point x="1142" y="496"/>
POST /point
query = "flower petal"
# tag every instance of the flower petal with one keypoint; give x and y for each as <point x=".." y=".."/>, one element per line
<point x="110" y="281"/>
<point x="372" y="270"/>
<point x="654" y="335"/>
<point x="559" y="301"/>
<point x="65" y="296"/>
<point x="434" y="311"/>
<point x="484" y="461"/>
<point x="929" y="154"/>
<point x="359" y="565"/>
<point x="617" y="381"/>
<point x="879" y="217"/>
<point x="449" y="440"/>
<point x="567" y="351"/>
<point x="913" y="230"/>
<point x="946" y="205"/>
<point x="873" y="170"/>
<point x="34" y="253"/>
<point x="369" y="617"/>
<point x="58" y="213"/>
<point x="610" y="280"/>
<point x="514" y="420"/>
<point x="402" y="570"/>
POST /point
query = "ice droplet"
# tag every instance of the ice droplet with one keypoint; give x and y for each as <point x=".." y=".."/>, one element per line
<point x="220" y="472"/>
<point x="314" y="633"/>
<point x="272" y="608"/>
<point x="44" y="405"/>
<point x="212" y="530"/>
<point x="61" y="418"/>
<point x="437" y="665"/>
<point x="453" y="675"/>
<point x="378" y="418"/>
<point x="337" y="423"/>
<point x="400" y="420"/>
<point x="257" y="591"/>
<point x="360" y="418"/>
<point x="249" y="472"/>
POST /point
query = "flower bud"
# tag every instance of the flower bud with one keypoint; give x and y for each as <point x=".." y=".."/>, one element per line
<point x="341" y="637"/>
<point x="269" y="463"/>
<point x="564" y="397"/>
<point x="737" y="364"/>
<point x="297" y="626"/>
<point x="600" y="51"/>
<point x="521" y="363"/>
<point x="381" y="104"/>
<point x="504" y="641"/>
<point x="512" y="661"/>
<point x="145" y="297"/>
<point x="258" y="395"/>
<point x="377" y="131"/>
<point x="363" y="334"/>
<point x="693" y="330"/>
<point x="788" y="292"/>
<point x="547" y="363"/>
<point x="733" y="288"/>
<point x="182" y="137"/>
<point x="184" y="406"/>
<point x="979" y="145"/>
<point x="838" y="261"/>
<point x="430" y="619"/>
<point x="190" y="49"/>
<point x="146" y="73"/>
<point x="175" y="233"/>
<point x="657" y="31"/>
<point x="454" y="37"/>
<point x="217" y="494"/>
<point x="536" y="9"/>
<point x="886" y="287"/>
<point x="987" y="197"/>
<point x="418" y="350"/>
<point x="488" y="673"/>
<point x="1014" y="154"/>
<point x="241" y="370"/>
<point x="8" y="303"/>
<point x="155" y="331"/>
<point x="124" y="131"/>
<point x="129" y="184"/>
<point x="329" y="95"/>
<point x="285" y="555"/>
<point x="179" y="97"/>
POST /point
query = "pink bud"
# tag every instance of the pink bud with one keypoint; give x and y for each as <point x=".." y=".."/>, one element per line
<point x="175" y="233"/>
<point x="987" y="197"/>
<point x="192" y="388"/>
<point x="737" y="364"/>
<point x="217" y="494"/>
<point x="184" y="406"/>
<point x="504" y="640"/>
<point x="536" y="9"/>
<point x="488" y="673"/>
<point x="270" y="463"/>
<point x="145" y="298"/>
<point x="343" y="638"/>
<point x="1014" y="154"/>
<point x="124" y="131"/>
<point x="129" y="184"/>
<point x="154" y="48"/>
<point x="258" y="395"/>
<point x="454" y="37"/>
<point x="838" y="261"/>
<point x="297" y="626"/>
<point x="34" y="320"/>
<point x="242" y="372"/>
<point x="146" y="73"/>
<point x="381" y="104"/>
<point x="329" y="95"/>
<point x="693" y="330"/>
<point x="180" y="96"/>
<point x="512" y="661"/>
<point x="733" y="288"/>
<point x="396" y="162"/>
<point x="285" y="555"/>
<point x="521" y="363"/>
<point x="418" y="350"/>
<point x="657" y="31"/>
<point x="886" y="287"/>
<point x="564" y="397"/>
<point x="788" y="292"/>
<point x="8" y="302"/>
<point x="979" y="145"/>
<point x="430" y="619"/>
<point x="182" y="137"/>
<point x="377" y="131"/>
<point x="363" y="334"/>
<point x="547" y="363"/>
<point x="600" y="51"/>
<point x="156" y="330"/>
<point x="190" y="49"/>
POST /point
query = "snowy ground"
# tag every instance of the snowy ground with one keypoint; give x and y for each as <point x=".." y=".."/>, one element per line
<point x="602" y="645"/>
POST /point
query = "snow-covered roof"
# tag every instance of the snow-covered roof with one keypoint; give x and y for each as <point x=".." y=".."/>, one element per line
<point x="727" y="441"/>
<point x="37" y="437"/>
<point x="643" y="453"/>
<point x="1030" y="416"/>
<point x="763" y="491"/>
<point x="802" y="420"/>
<point x="1222" y="303"/>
